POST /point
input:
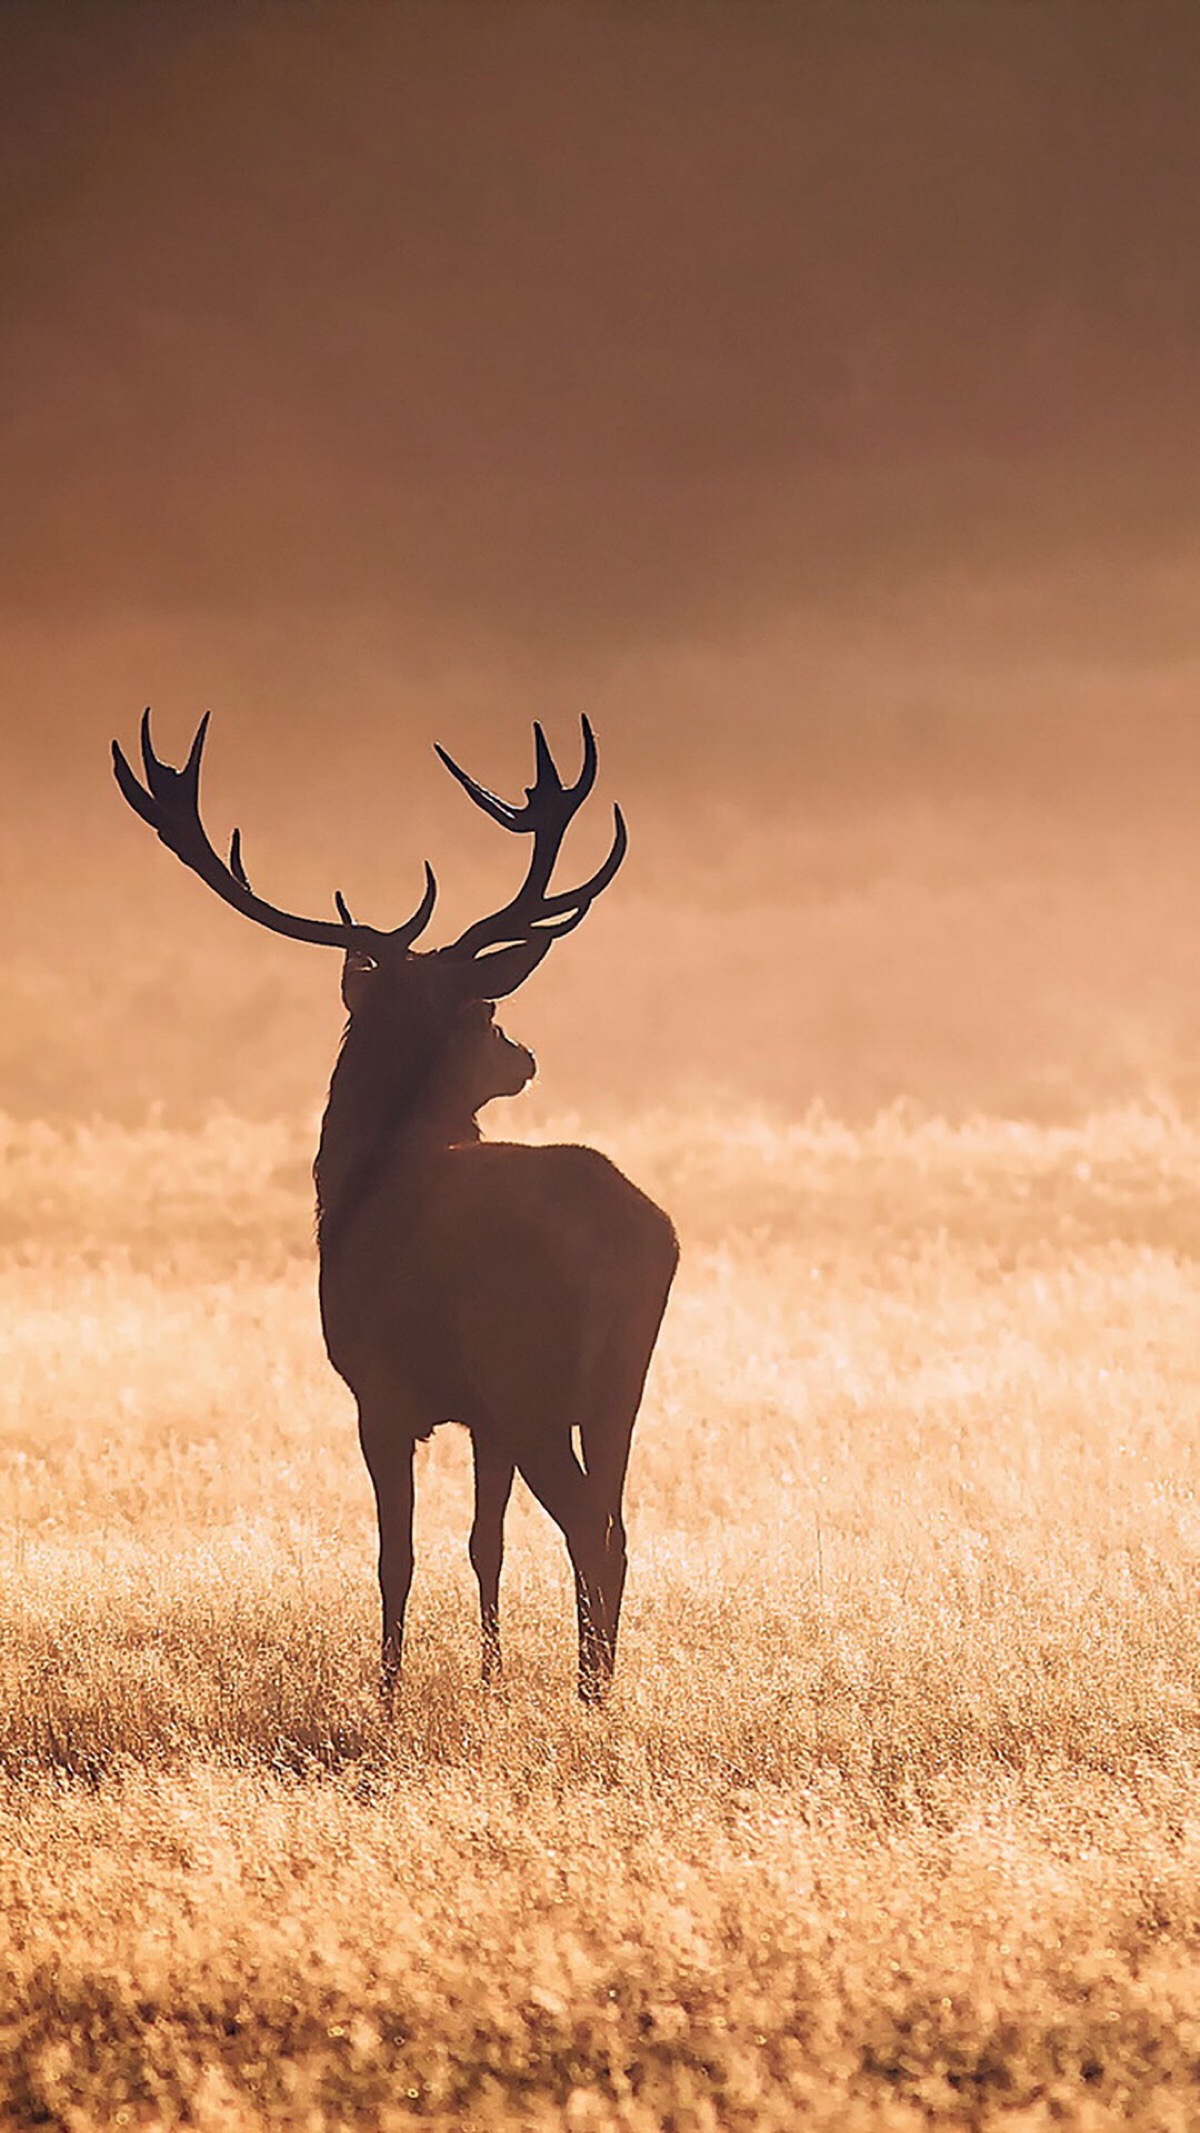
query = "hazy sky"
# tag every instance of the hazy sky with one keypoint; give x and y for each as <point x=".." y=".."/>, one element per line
<point x="583" y="322"/>
<point x="809" y="391"/>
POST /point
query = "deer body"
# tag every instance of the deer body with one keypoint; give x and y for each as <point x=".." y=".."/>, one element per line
<point x="517" y="1290"/>
<point x="481" y="1278"/>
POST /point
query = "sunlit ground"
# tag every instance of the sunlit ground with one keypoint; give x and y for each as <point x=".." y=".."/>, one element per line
<point x="893" y="1816"/>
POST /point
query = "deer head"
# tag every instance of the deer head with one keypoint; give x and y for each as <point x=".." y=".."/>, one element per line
<point x="438" y="1000"/>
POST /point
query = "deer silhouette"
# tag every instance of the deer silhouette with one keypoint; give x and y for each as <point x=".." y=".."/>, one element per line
<point x="517" y="1290"/>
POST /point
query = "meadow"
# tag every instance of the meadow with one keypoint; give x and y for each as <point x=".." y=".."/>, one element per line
<point x="892" y="1819"/>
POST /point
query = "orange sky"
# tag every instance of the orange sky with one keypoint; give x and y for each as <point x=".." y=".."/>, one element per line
<point x="577" y="324"/>
<point x="809" y="392"/>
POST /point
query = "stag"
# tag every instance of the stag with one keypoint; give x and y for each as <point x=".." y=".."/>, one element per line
<point x="516" y="1290"/>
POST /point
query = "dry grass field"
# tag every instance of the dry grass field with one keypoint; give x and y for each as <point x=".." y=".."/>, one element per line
<point x="893" y="1818"/>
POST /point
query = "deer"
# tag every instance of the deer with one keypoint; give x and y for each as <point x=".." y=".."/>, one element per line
<point x="515" y="1289"/>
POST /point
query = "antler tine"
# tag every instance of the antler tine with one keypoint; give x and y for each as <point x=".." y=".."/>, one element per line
<point x="547" y="787"/>
<point x="491" y="803"/>
<point x="170" y="802"/>
<point x="404" y="936"/>
<point x="549" y="809"/>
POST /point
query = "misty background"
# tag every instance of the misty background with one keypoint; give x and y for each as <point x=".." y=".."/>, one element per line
<point x="809" y="393"/>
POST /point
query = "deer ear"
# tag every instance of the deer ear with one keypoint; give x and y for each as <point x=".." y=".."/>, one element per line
<point x="358" y="973"/>
<point x="493" y="977"/>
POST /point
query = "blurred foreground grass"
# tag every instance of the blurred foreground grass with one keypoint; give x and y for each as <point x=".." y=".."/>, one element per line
<point x="893" y="1819"/>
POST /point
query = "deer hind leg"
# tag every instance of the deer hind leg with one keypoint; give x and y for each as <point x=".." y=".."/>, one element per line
<point x="606" y="1430"/>
<point x="562" y="1488"/>
<point x="493" y="1485"/>
<point x="390" y="1463"/>
<point x="605" y="1440"/>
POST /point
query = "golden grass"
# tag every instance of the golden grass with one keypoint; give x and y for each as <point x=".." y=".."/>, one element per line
<point x="893" y="1818"/>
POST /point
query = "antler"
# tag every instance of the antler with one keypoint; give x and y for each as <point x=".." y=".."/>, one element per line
<point x="550" y="808"/>
<point x="170" y="802"/>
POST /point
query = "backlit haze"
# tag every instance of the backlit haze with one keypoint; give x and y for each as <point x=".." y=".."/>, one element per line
<point x="808" y="393"/>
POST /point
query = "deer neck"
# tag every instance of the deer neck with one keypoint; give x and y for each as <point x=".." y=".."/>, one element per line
<point x="401" y="1115"/>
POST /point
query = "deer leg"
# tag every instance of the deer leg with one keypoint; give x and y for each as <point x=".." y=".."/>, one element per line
<point x="493" y="1486"/>
<point x="562" y="1488"/>
<point x="606" y="1456"/>
<point x="606" y="1434"/>
<point x="390" y="1464"/>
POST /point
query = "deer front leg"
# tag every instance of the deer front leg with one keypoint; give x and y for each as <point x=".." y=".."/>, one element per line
<point x="389" y="1458"/>
<point x="493" y="1486"/>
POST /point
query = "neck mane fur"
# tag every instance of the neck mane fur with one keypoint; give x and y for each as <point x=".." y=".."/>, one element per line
<point x="382" y="1096"/>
